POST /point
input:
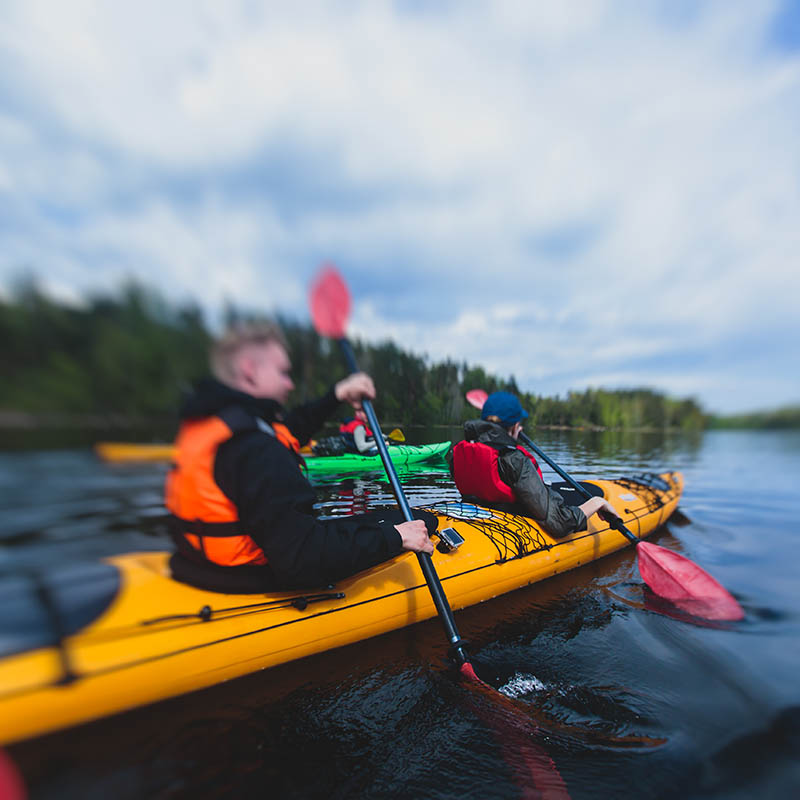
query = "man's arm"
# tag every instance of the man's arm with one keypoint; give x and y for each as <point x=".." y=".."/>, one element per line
<point x="305" y="420"/>
<point x="275" y="506"/>
<point x="540" y="502"/>
<point x="363" y="442"/>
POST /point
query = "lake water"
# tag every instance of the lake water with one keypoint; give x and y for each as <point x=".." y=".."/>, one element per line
<point x="628" y="702"/>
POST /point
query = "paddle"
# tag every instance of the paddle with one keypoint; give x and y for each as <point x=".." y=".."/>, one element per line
<point x="669" y="574"/>
<point x="396" y="435"/>
<point x="533" y="768"/>
<point x="330" y="309"/>
<point x="12" y="787"/>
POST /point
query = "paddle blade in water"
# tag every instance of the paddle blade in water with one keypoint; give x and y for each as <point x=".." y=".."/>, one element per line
<point x="532" y="769"/>
<point x="330" y="303"/>
<point x="468" y="671"/>
<point x="679" y="580"/>
<point x="477" y="397"/>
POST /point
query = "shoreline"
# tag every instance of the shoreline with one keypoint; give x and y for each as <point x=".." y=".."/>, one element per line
<point x="98" y="421"/>
<point x="49" y="420"/>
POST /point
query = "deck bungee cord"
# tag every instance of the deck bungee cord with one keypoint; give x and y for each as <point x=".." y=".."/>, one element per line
<point x="517" y="536"/>
<point x="207" y="613"/>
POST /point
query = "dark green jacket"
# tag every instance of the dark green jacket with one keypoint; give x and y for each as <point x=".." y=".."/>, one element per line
<point x="534" y="498"/>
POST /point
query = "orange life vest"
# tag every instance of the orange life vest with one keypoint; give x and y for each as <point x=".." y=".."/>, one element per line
<point x="202" y="514"/>
<point x="476" y="472"/>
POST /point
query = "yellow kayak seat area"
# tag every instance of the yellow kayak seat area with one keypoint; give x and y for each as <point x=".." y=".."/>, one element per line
<point x="214" y="578"/>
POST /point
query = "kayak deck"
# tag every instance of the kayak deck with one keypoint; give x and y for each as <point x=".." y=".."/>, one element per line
<point x="153" y="638"/>
<point x="401" y="454"/>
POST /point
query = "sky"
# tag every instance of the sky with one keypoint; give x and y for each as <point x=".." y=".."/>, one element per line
<point x="591" y="193"/>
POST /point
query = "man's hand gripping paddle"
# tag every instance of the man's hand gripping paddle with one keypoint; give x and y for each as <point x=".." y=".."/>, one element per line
<point x="538" y="776"/>
<point x="669" y="574"/>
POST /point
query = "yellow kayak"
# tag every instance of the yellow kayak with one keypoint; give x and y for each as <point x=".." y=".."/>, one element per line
<point x="121" y="452"/>
<point x="82" y="642"/>
<point x="134" y="451"/>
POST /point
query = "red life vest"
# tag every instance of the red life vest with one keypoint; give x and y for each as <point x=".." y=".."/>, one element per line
<point x="476" y="472"/>
<point x="351" y="425"/>
<point x="206" y="519"/>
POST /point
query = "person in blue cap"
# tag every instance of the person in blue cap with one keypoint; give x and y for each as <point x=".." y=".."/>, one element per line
<point x="491" y="467"/>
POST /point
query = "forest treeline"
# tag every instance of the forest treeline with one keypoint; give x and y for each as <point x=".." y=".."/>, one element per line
<point x="134" y="353"/>
<point x="778" y="419"/>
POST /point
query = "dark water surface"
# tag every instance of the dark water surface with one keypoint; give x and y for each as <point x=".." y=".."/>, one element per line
<point x="628" y="702"/>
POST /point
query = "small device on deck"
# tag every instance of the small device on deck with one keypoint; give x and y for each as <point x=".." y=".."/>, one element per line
<point x="449" y="539"/>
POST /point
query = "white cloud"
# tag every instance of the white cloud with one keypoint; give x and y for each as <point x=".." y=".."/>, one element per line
<point x="581" y="188"/>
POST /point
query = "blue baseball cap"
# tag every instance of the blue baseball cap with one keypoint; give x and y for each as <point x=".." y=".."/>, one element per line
<point x="504" y="408"/>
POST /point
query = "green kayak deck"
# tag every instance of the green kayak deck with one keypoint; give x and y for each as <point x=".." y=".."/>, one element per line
<point x="401" y="454"/>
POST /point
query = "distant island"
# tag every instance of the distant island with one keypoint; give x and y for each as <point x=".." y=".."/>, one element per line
<point x="132" y="355"/>
<point x="778" y="419"/>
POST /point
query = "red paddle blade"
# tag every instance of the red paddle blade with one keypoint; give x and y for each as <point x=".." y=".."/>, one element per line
<point x="330" y="302"/>
<point x="468" y="671"/>
<point x="477" y="397"/>
<point x="534" y="772"/>
<point x="11" y="784"/>
<point x="681" y="581"/>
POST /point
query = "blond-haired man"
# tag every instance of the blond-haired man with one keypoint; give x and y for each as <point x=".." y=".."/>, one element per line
<point x="241" y="507"/>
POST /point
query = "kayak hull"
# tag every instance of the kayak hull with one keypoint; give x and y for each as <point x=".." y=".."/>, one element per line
<point x="159" y="638"/>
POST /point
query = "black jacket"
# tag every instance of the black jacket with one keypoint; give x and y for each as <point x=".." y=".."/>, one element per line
<point x="265" y="482"/>
<point x="534" y="498"/>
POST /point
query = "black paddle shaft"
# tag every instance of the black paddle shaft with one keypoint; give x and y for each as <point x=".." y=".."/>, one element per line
<point x="614" y="522"/>
<point x="425" y="562"/>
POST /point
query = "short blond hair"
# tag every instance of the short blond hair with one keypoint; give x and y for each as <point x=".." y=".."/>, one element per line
<point x="225" y="349"/>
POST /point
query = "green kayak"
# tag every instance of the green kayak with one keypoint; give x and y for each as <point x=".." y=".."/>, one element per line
<point x="401" y="454"/>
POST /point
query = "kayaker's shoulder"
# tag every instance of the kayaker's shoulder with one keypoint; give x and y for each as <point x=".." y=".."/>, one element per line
<point x="512" y="463"/>
<point x="253" y="449"/>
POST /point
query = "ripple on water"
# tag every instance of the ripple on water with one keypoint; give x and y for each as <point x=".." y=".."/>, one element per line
<point x="522" y="685"/>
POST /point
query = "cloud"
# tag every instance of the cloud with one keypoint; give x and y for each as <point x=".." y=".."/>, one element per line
<point x="603" y="194"/>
